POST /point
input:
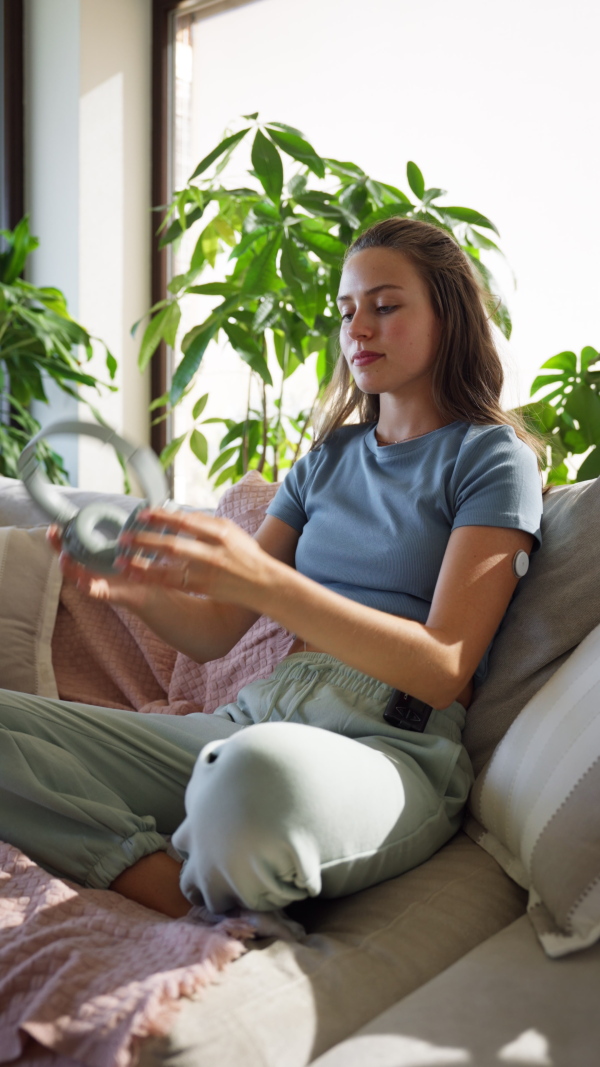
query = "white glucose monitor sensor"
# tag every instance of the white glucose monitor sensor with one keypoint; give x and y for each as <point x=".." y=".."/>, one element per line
<point x="520" y="563"/>
<point x="91" y="534"/>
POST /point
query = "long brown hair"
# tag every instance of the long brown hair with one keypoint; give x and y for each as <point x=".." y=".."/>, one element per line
<point x="467" y="376"/>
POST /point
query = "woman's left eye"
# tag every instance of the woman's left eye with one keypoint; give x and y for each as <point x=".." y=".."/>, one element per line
<point x="386" y="308"/>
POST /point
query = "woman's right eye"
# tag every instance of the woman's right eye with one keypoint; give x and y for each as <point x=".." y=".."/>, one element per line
<point x="346" y="316"/>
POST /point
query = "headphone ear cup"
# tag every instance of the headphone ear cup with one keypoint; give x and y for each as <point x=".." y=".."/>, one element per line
<point x="91" y="537"/>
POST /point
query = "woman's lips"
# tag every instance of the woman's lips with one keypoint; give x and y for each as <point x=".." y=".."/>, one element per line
<point x="361" y="359"/>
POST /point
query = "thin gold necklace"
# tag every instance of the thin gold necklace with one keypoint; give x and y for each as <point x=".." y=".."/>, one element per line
<point x="382" y="441"/>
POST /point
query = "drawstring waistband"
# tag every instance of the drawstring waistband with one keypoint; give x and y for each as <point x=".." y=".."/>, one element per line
<point x="307" y="669"/>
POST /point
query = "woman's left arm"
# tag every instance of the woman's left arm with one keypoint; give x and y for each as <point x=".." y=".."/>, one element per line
<point x="433" y="661"/>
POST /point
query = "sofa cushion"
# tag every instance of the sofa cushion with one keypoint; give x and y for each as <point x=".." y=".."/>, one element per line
<point x="283" y="1004"/>
<point x="555" y="606"/>
<point x="505" y="1002"/>
<point x="30" y="582"/>
<point x="536" y="807"/>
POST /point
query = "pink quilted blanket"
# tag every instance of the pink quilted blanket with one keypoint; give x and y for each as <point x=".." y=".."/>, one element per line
<point x="108" y="657"/>
<point x="87" y="973"/>
<point x="84" y="972"/>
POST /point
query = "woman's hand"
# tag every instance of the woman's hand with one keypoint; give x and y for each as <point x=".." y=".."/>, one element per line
<point x="195" y="553"/>
<point x="115" y="589"/>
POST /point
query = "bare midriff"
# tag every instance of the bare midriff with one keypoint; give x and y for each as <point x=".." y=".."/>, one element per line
<point x="299" y="645"/>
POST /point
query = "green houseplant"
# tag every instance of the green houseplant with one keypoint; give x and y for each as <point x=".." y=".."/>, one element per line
<point x="38" y="341"/>
<point x="285" y="235"/>
<point x="567" y="414"/>
<point x="277" y="245"/>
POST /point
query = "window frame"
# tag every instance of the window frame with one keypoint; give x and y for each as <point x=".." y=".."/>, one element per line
<point x="164" y="13"/>
<point x="12" y="204"/>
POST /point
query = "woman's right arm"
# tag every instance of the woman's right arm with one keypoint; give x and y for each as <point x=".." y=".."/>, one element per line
<point x="201" y="628"/>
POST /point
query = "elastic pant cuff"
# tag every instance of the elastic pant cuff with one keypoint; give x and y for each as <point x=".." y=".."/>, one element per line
<point x="122" y="856"/>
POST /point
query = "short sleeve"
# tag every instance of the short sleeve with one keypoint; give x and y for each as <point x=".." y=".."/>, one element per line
<point x="289" y="503"/>
<point x="496" y="482"/>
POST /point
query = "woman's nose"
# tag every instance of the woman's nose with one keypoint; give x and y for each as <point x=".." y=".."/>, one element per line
<point x="360" y="326"/>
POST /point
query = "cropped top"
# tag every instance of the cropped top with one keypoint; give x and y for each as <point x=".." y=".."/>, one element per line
<point x="375" y="521"/>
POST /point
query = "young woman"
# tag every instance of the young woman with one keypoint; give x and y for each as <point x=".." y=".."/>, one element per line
<point x="389" y="551"/>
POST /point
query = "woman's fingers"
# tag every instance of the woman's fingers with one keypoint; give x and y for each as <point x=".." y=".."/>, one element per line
<point x="205" y="527"/>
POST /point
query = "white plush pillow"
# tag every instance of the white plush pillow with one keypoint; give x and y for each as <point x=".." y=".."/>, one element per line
<point x="536" y="806"/>
<point x="30" y="582"/>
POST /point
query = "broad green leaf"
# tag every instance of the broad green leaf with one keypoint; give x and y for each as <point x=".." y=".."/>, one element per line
<point x="155" y="307"/>
<point x="221" y="460"/>
<point x="233" y="434"/>
<point x="394" y="192"/>
<point x="242" y="341"/>
<point x="325" y="246"/>
<point x="156" y="331"/>
<point x="589" y="356"/>
<point x="467" y="214"/>
<point x="344" y="170"/>
<point x="563" y="361"/>
<point x="263" y="209"/>
<point x="199" y="406"/>
<point x="111" y="365"/>
<point x="199" y="445"/>
<point x="298" y="148"/>
<point x="415" y="179"/>
<point x="221" y="148"/>
<point x="297" y="185"/>
<point x="210" y="243"/>
<point x="590" y="468"/>
<point x="262" y="272"/>
<point x="225" y="475"/>
<point x="194" y="346"/>
<point x="575" y="441"/>
<point x="502" y="319"/>
<point x="213" y="289"/>
<point x="294" y="265"/>
<point x="170" y="451"/>
<point x="159" y="402"/>
<point x="544" y="379"/>
<point x="584" y="405"/>
<point x="558" y="475"/>
<point x="375" y="192"/>
<point x="266" y="313"/>
<point x="540" y="415"/>
<point x="176" y="228"/>
<point x="171" y="323"/>
<point x="479" y="240"/>
<point x="268" y="166"/>
<point x="247" y="241"/>
<point x="225" y="230"/>
<point x="388" y="211"/>
<point x="287" y="129"/>
<point x="432" y="194"/>
<point x="249" y="349"/>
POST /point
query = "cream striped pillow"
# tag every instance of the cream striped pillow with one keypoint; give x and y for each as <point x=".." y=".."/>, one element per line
<point x="536" y="806"/>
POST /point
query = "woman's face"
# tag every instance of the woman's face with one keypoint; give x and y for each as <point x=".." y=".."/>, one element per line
<point x="390" y="333"/>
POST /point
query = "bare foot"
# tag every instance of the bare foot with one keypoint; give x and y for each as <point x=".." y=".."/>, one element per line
<point x="154" y="882"/>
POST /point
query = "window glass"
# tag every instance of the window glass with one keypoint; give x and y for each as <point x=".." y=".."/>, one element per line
<point x="495" y="102"/>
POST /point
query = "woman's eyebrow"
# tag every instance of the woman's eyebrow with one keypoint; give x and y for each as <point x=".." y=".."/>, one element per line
<point x="369" y="292"/>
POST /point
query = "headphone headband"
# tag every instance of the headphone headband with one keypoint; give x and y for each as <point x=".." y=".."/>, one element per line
<point x="142" y="460"/>
<point x="84" y="532"/>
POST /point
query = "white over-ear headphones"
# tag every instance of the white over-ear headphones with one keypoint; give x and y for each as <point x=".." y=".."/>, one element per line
<point x="91" y="535"/>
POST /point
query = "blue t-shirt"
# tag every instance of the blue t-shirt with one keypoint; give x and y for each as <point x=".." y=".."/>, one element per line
<point x="375" y="522"/>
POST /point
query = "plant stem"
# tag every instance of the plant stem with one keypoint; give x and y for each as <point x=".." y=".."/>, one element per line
<point x="305" y="425"/>
<point x="247" y="419"/>
<point x="261" y="462"/>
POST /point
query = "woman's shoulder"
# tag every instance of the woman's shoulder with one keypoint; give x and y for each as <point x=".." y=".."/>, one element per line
<point x="494" y="447"/>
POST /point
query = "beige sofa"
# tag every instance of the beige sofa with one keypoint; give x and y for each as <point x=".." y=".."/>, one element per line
<point x="487" y="953"/>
